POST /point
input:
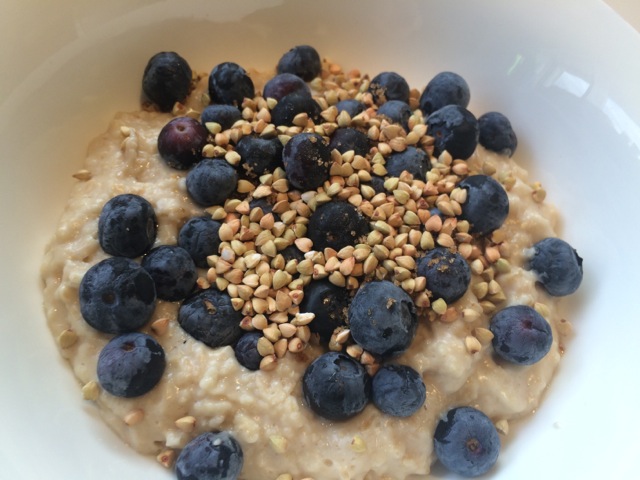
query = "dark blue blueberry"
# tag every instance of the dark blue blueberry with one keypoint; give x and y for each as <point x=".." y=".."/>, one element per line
<point x="259" y="155"/>
<point x="210" y="456"/>
<point x="335" y="386"/>
<point x="211" y="182"/>
<point x="306" y="159"/>
<point x="199" y="236"/>
<point x="335" y="225"/>
<point x="166" y="80"/>
<point x="303" y="61"/>
<point x="389" y="86"/>
<point x="209" y="317"/>
<point x="127" y="226"/>
<point x="173" y="271"/>
<point x="557" y="265"/>
<point x="413" y="160"/>
<point x="351" y="106"/>
<point x="346" y="139"/>
<point x="292" y="253"/>
<point x="448" y="274"/>
<point x="520" y="335"/>
<point x="466" y="442"/>
<point x="283" y="84"/>
<point x="180" y="142"/>
<point x="396" y="111"/>
<point x="446" y="88"/>
<point x="398" y="390"/>
<point x="487" y="204"/>
<point x="130" y="365"/>
<point x="117" y="295"/>
<point x="329" y="303"/>
<point x="455" y="130"/>
<point x="293" y="104"/>
<point x="224" y="115"/>
<point x="229" y="84"/>
<point x="377" y="183"/>
<point x="496" y="133"/>
<point x="382" y="318"/>
<point x="246" y="350"/>
<point x="264" y="205"/>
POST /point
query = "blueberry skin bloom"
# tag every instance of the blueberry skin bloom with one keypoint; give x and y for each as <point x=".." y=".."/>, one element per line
<point x="335" y="225"/>
<point x="466" y="442"/>
<point x="224" y="115"/>
<point x="210" y="456"/>
<point x="455" y="130"/>
<point x="557" y="265"/>
<point x="306" y="159"/>
<point x="330" y="305"/>
<point x="335" y="386"/>
<point x="246" y="350"/>
<point x="389" y="86"/>
<point x="398" y="390"/>
<point x="412" y="159"/>
<point x="117" y="295"/>
<point x="346" y="139"/>
<point x="446" y="88"/>
<point x="130" y="365"/>
<point x="229" y="84"/>
<point x="382" y="318"/>
<point x="173" y="271"/>
<point x="352" y="106"/>
<point x="521" y="335"/>
<point x="180" y="142"/>
<point x="166" y="80"/>
<point x="303" y="61"/>
<point x="448" y="274"/>
<point x="211" y="182"/>
<point x="487" y="204"/>
<point x="199" y="236"/>
<point x="496" y="133"/>
<point x="209" y="317"/>
<point x="127" y="226"/>
<point x="396" y="111"/>
<point x="293" y="104"/>
<point x="283" y="84"/>
<point x="259" y="155"/>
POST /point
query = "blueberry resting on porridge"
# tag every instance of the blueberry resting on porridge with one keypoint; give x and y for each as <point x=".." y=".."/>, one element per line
<point x="389" y="86"/>
<point x="223" y="115"/>
<point x="487" y="204"/>
<point x="173" y="271"/>
<point x="292" y="105"/>
<point x="455" y="130"/>
<point x="447" y="273"/>
<point x="398" y="390"/>
<point x="229" y="84"/>
<point x="330" y="304"/>
<point x="199" y="236"/>
<point x="283" y="84"/>
<point x="412" y="160"/>
<point x="210" y="456"/>
<point x="396" y="111"/>
<point x="166" y="80"/>
<point x="306" y="159"/>
<point x="211" y="182"/>
<point x="446" y="88"/>
<point x="346" y="139"/>
<point x="557" y="265"/>
<point x="258" y="156"/>
<point x="180" y="142"/>
<point x="351" y="106"/>
<point x="496" y="133"/>
<point x="246" y="350"/>
<point x="303" y="61"/>
<point x="336" y="225"/>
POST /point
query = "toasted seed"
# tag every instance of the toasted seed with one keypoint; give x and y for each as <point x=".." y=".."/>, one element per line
<point x="91" y="390"/>
<point x="134" y="417"/>
<point x="472" y="344"/>
<point x="439" y="306"/>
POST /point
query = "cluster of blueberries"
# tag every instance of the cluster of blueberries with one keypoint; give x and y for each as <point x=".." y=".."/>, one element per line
<point x="118" y="294"/>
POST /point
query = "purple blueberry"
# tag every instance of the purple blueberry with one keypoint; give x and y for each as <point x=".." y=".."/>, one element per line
<point x="352" y="106"/>
<point x="117" y="295"/>
<point x="303" y="61"/>
<point x="210" y="456"/>
<point x="329" y="303"/>
<point x="455" y="130"/>
<point x="389" y="86"/>
<point x="520" y="335"/>
<point x="396" y="111"/>
<point x="398" y="390"/>
<point x="487" y="204"/>
<point x="127" y="226"/>
<point x="346" y="139"/>
<point x="496" y="133"/>
<point x="557" y="265"/>
<point x="173" y="271"/>
<point x="259" y="155"/>
<point x="335" y="225"/>
<point x="224" y="115"/>
<point x="199" y="236"/>
<point x="246" y="350"/>
<point x="294" y="104"/>
<point x="335" y="386"/>
<point x="306" y="159"/>
<point x="446" y="88"/>
<point x="283" y="84"/>
<point x="166" y="80"/>
<point x="448" y="274"/>
<point x="130" y="365"/>
<point x="180" y="142"/>
<point x="229" y="84"/>
<point x="211" y="182"/>
<point x="413" y="160"/>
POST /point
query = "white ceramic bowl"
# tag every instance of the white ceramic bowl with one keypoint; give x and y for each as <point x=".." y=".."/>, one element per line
<point x="566" y="73"/>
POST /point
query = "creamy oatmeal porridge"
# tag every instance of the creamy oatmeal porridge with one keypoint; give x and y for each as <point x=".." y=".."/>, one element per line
<point x="206" y="389"/>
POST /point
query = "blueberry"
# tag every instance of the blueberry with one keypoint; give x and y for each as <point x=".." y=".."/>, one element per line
<point x="224" y="115"/>
<point x="127" y="226"/>
<point x="382" y="318"/>
<point x="173" y="271"/>
<point x="335" y="225"/>
<point x="466" y="442"/>
<point x="487" y="205"/>
<point x="180" y="142"/>
<point x="117" y="295"/>
<point x="263" y="204"/>
<point x="259" y="155"/>
<point x="346" y="139"/>
<point x="166" y="80"/>
<point x="306" y="159"/>
<point x="335" y="386"/>
<point x="246" y="350"/>
<point x="283" y="84"/>
<point x="210" y="456"/>
<point x="209" y="317"/>
<point x="496" y="133"/>
<point x="413" y="160"/>
<point x="292" y="253"/>
<point x="377" y="183"/>
<point x="455" y="130"/>
<point x="396" y="111"/>
<point x="520" y="335"/>
<point x="446" y="88"/>
<point x="351" y="106"/>
<point x="329" y="303"/>
<point x="389" y="86"/>
<point x="130" y="365"/>
<point x="293" y="104"/>
<point x="211" y="182"/>
<point x="229" y="84"/>
<point x="398" y="390"/>
<point x="199" y="236"/>
<point x="557" y="265"/>
<point x="303" y="61"/>
<point x="448" y="274"/>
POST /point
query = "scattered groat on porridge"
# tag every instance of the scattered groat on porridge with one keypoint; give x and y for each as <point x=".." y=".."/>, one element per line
<point x="312" y="274"/>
